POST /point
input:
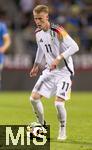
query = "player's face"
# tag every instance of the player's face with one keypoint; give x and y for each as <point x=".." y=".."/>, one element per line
<point x="41" y="20"/>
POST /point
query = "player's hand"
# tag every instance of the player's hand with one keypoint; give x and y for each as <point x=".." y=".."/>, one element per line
<point x="55" y="63"/>
<point x="34" y="71"/>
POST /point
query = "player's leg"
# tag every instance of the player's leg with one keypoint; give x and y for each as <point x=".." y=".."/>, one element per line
<point x="62" y="94"/>
<point x="35" y="99"/>
<point x="61" y="113"/>
<point x="43" y="87"/>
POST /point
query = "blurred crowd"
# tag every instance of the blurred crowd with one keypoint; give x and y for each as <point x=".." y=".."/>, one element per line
<point x="74" y="15"/>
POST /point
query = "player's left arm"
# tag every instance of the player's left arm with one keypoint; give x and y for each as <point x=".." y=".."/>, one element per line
<point x="7" y="42"/>
<point x="6" y="39"/>
<point x="71" y="49"/>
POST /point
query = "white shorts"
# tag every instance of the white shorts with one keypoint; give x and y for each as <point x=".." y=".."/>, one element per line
<point x="53" y="83"/>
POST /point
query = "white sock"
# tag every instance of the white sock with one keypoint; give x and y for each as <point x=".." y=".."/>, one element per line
<point x="38" y="109"/>
<point x="61" y="111"/>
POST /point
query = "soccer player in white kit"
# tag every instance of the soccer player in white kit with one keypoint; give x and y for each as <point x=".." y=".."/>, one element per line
<point x="55" y="48"/>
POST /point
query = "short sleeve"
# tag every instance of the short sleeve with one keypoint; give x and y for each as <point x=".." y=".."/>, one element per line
<point x="4" y="29"/>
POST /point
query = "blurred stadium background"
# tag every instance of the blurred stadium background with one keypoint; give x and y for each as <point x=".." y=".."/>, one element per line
<point x="74" y="15"/>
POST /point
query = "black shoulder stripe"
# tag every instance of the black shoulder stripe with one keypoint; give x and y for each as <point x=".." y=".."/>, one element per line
<point x="55" y="30"/>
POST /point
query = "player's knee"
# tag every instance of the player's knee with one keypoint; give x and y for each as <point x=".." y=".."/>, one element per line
<point x="34" y="96"/>
<point x="59" y="99"/>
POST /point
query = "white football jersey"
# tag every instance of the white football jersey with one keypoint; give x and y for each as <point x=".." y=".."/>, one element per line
<point x="52" y="43"/>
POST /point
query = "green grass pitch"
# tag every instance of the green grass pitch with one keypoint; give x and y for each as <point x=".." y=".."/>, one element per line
<point x="15" y="108"/>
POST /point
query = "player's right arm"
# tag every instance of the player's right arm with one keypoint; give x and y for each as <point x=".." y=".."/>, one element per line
<point x="39" y="59"/>
<point x="38" y="62"/>
<point x="34" y="71"/>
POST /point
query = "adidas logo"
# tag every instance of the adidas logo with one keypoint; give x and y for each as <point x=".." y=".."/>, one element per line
<point x="41" y="40"/>
<point x="63" y="94"/>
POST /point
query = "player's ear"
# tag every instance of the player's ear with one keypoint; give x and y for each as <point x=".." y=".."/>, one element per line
<point x="47" y="17"/>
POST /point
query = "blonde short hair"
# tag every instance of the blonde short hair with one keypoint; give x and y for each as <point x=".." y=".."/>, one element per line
<point x="41" y="8"/>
